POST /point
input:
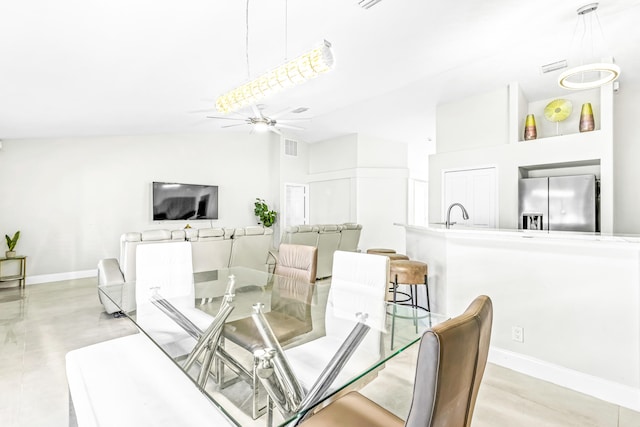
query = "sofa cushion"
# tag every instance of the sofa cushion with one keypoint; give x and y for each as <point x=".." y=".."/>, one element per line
<point x="132" y="236"/>
<point x="155" y="235"/>
<point x="210" y="233"/>
<point x="178" y="235"/>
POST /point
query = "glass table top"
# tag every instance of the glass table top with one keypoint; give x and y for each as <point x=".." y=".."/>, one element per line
<point x="308" y="325"/>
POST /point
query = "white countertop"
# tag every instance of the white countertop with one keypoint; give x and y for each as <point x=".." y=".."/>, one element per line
<point x="461" y="230"/>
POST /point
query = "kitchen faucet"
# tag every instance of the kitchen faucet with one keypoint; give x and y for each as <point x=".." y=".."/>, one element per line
<point x="448" y="222"/>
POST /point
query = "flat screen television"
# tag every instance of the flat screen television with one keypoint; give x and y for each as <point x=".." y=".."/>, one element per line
<point x="172" y="201"/>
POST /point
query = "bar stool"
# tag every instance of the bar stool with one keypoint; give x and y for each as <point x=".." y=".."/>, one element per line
<point x="381" y="251"/>
<point x="393" y="257"/>
<point x="411" y="273"/>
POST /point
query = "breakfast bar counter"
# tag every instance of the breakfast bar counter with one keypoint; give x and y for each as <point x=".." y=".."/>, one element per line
<point x="567" y="305"/>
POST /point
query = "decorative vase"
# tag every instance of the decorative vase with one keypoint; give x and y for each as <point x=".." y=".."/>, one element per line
<point x="587" y="123"/>
<point x="530" y="131"/>
<point x="10" y="254"/>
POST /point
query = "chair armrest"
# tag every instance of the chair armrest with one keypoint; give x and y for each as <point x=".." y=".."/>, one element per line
<point x="272" y="260"/>
<point x="273" y="257"/>
<point x="109" y="272"/>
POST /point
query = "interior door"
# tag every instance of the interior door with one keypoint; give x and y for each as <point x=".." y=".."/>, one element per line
<point x="296" y="204"/>
<point x="475" y="189"/>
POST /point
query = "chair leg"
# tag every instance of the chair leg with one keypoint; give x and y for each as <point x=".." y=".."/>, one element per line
<point x="414" y="302"/>
<point x="393" y="317"/>
<point x="426" y="285"/>
<point x="255" y="384"/>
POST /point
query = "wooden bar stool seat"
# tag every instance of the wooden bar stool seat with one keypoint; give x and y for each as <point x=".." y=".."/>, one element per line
<point x="392" y="256"/>
<point x="381" y="251"/>
<point x="413" y="274"/>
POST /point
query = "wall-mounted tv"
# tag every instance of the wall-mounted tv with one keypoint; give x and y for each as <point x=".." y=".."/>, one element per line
<point x="173" y="201"/>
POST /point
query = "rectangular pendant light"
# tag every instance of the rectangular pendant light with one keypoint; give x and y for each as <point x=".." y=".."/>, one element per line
<point x="305" y="67"/>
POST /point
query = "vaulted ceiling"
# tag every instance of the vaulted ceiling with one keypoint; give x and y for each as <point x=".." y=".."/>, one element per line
<point x="89" y="67"/>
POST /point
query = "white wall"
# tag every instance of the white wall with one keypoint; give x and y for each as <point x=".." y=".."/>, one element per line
<point x="72" y="198"/>
<point x="333" y="154"/>
<point x="293" y="170"/>
<point x="474" y="122"/>
<point x="626" y="154"/>
<point x="581" y="325"/>
<point x="360" y="179"/>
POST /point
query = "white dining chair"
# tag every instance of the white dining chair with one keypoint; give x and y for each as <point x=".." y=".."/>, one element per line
<point x="358" y="286"/>
<point x="166" y="269"/>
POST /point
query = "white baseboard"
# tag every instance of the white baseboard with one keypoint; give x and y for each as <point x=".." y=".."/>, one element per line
<point x="57" y="277"/>
<point x="600" y="388"/>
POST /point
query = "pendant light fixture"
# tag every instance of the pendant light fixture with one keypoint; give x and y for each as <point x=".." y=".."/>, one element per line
<point x="305" y="67"/>
<point x="591" y="71"/>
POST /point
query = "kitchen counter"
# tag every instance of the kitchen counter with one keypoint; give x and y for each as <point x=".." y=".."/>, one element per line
<point x="576" y="297"/>
<point x="527" y="234"/>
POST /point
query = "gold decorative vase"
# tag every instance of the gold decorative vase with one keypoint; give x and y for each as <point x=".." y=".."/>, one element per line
<point x="587" y="122"/>
<point x="530" y="131"/>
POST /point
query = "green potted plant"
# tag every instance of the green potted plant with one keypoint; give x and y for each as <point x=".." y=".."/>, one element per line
<point x="267" y="217"/>
<point x="11" y="244"/>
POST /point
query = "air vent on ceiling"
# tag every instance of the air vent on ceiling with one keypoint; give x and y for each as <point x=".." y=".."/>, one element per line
<point x="366" y="4"/>
<point x="554" y="66"/>
<point x="291" y="147"/>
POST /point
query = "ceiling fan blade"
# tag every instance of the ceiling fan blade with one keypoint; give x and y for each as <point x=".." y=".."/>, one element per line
<point x="289" y="127"/>
<point x="301" y="119"/>
<point x="237" y="124"/>
<point x="256" y="111"/>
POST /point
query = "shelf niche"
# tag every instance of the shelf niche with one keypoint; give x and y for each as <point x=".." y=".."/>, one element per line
<point x="520" y="106"/>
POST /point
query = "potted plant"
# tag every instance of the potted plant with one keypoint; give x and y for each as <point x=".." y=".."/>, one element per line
<point x="11" y="244"/>
<point x="267" y="217"/>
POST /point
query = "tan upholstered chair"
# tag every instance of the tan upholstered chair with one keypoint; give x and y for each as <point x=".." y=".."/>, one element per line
<point x="290" y="311"/>
<point x="451" y="362"/>
<point x="297" y="261"/>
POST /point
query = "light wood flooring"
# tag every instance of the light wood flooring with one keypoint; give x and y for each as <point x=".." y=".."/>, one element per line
<point x="40" y="324"/>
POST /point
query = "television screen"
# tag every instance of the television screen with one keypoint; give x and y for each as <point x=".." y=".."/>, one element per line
<point x="184" y="201"/>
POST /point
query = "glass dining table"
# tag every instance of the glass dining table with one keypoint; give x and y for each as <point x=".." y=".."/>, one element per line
<point x="250" y="339"/>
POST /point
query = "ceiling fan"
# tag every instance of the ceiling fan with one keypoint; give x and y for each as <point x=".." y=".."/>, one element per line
<point x="261" y="122"/>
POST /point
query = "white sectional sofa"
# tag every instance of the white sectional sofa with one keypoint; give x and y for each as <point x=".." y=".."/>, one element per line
<point x="212" y="249"/>
<point x="327" y="238"/>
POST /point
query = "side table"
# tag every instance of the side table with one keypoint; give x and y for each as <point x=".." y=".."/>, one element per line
<point x="22" y="272"/>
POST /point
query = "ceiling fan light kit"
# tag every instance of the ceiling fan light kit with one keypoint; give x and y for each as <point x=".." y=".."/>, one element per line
<point x="305" y="67"/>
<point x="593" y="74"/>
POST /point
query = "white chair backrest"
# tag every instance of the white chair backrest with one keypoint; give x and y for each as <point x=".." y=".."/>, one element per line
<point x="250" y="247"/>
<point x="301" y="235"/>
<point x="358" y="285"/>
<point x="167" y="267"/>
<point x="349" y="237"/>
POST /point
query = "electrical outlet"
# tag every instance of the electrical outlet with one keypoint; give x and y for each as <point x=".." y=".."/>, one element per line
<point x="517" y="333"/>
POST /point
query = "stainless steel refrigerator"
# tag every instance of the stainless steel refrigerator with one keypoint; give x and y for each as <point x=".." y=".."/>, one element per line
<point x="562" y="203"/>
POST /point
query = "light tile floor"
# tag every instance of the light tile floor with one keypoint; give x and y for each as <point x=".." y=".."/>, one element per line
<point x="39" y="325"/>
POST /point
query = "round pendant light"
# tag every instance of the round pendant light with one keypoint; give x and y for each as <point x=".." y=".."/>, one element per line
<point x="591" y="74"/>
